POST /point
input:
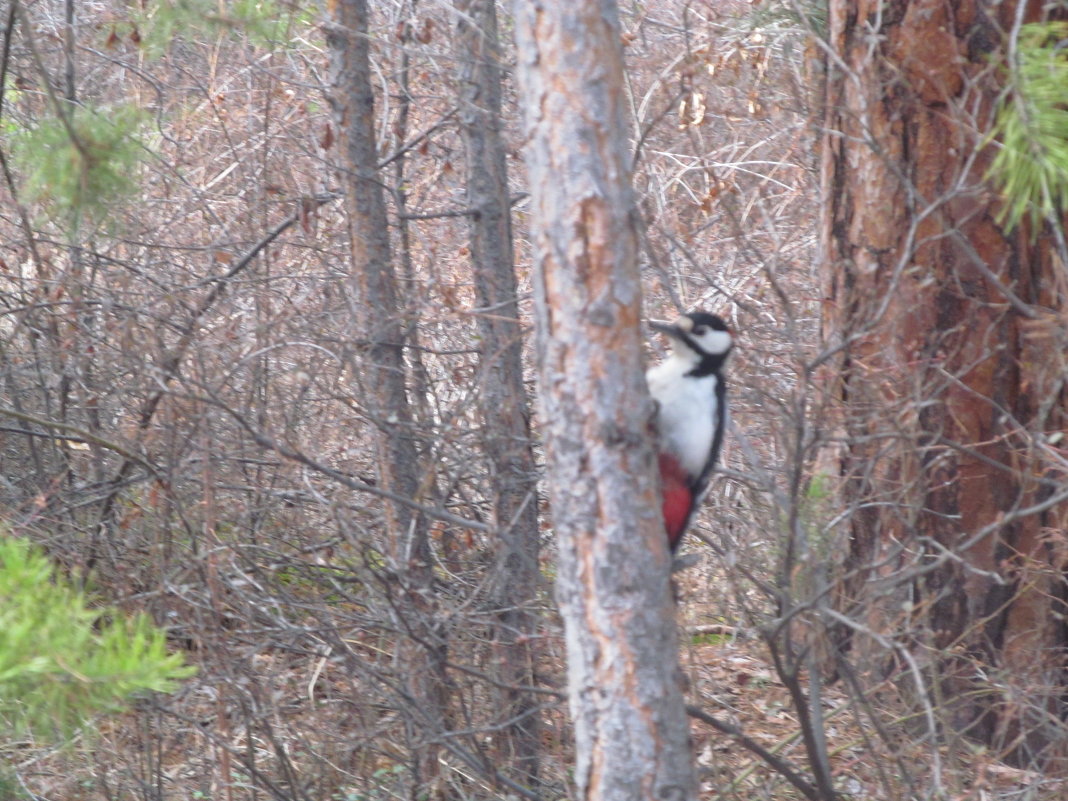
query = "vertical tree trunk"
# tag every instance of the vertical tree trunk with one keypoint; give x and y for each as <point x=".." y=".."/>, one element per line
<point x="377" y="308"/>
<point x="630" y="728"/>
<point x="379" y="326"/>
<point x="502" y="395"/>
<point x="951" y="374"/>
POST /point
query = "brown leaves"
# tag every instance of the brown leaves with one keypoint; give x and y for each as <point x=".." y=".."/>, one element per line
<point x="326" y="141"/>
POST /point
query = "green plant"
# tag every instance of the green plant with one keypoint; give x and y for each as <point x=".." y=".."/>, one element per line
<point x="265" y="23"/>
<point x="1031" y="166"/>
<point x="710" y="639"/>
<point x="62" y="661"/>
<point x="9" y="787"/>
<point x="82" y="165"/>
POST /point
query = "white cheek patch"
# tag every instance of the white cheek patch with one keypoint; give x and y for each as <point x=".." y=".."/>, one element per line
<point x="716" y="342"/>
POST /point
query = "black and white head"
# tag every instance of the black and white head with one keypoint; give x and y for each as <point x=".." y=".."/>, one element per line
<point x="701" y="340"/>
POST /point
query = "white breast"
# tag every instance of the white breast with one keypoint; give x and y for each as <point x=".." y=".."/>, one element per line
<point x="686" y="412"/>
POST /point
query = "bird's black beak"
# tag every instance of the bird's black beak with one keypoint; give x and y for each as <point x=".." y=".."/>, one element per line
<point x="669" y="329"/>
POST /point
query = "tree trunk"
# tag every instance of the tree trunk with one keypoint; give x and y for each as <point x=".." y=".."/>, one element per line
<point x="502" y="395"/>
<point x="377" y="307"/>
<point x="630" y="727"/>
<point x="952" y="370"/>
<point x="379" y="328"/>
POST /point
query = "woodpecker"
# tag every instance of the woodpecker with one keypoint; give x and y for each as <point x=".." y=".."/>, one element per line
<point x="691" y="413"/>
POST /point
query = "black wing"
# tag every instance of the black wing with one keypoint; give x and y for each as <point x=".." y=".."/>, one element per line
<point x="700" y="484"/>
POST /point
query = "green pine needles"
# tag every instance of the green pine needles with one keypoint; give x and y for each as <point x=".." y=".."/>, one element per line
<point x="61" y="662"/>
<point x="79" y="167"/>
<point x="265" y="23"/>
<point x="1031" y="167"/>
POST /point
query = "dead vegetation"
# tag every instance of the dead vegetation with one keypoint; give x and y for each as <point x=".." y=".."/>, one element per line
<point x="185" y="421"/>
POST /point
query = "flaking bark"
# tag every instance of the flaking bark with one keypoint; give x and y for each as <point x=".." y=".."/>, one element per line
<point x="612" y="585"/>
<point x="953" y="366"/>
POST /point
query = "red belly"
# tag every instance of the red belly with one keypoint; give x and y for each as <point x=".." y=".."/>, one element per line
<point x="677" y="498"/>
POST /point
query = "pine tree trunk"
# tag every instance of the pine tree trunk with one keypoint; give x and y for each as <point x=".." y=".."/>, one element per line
<point x="502" y="395"/>
<point x="377" y="307"/>
<point x="952" y="370"/>
<point x="631" y="732"/>
<point x="379" y="328"/>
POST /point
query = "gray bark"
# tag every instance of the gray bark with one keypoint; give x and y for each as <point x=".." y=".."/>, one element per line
<point x="502" y="396"/>
<point x="631" y="732"/>
<point x="377" y="310"/>
<point x="379" y="327"/>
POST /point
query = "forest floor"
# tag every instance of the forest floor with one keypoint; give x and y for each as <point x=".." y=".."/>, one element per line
<point x="195" y="747"/>
<point x="731" y="676"/>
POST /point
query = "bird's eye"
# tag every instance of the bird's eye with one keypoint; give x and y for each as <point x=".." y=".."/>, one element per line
<point x="698" y="330"/>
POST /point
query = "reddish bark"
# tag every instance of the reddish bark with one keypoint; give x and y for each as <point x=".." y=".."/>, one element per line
<point x="950" y="395"/>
